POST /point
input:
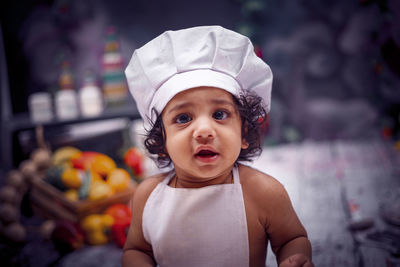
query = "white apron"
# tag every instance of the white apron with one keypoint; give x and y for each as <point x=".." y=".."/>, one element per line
<point x="197" y="226"/>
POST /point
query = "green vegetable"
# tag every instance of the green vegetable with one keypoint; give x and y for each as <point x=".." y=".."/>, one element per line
<point x="83" y="191"/>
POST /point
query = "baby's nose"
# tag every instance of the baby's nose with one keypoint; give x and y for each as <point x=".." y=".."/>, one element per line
<point x="204" y="129"/>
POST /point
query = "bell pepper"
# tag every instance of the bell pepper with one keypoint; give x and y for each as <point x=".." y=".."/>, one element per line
<point x="120" y="212"/>
<point x="122" y="215"/>
<point x="72" y="178"/>
<point x="119" y="232"/>
<point x="97" y="228"/>
<point x="99" y="190"/>
<point x="119" y="180"/>
<point x="97" y="162"/>
<point x="83" y="160"/>
<point x="134" y="159"/>
<point x="67" y="236"/>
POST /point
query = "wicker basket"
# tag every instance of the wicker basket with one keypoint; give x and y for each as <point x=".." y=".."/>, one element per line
<point x="51" y="203"/>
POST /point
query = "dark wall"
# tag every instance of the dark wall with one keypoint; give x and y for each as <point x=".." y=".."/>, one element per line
<point x="335" y="63"/>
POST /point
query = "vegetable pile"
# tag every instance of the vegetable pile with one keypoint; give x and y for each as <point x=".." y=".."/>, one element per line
<point x="90" y="175"/>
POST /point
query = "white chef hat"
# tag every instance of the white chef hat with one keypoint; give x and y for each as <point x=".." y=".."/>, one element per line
<point x="200" y="56"/>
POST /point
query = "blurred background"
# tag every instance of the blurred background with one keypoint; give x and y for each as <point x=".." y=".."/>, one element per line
<point x="335" y="100"/>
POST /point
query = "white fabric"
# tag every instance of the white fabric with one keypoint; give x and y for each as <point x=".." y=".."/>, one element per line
<point x="191" y="79"/>
<point x="197" y="227"/>
<point x="176" y="61"/>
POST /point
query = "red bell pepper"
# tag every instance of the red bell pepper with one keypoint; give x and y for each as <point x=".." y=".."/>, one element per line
<point x="119" y="232"/>
<point x="67" y="236"/>
<point x="122" y="219"/>
<point x="84" y="160"/>
<point x="134" y="159"/>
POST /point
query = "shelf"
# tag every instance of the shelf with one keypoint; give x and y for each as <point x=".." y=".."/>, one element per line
<point x="23" y="121"/>
<point x="13" y="124"/>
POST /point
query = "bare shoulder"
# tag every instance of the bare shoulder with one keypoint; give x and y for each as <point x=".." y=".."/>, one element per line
<point x="257" y="181"/>
<point x="263" y="192"/>
<point x="268" y="198"/>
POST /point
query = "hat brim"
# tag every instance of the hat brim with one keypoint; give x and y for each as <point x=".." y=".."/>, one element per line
<point x="191" y="79"/>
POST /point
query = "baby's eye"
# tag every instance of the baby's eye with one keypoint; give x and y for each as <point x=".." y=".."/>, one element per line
<point x="183" y="118"/>
<point x="220" y="115"/>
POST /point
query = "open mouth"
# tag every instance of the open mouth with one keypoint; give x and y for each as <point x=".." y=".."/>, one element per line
<point x="206" y="154"/>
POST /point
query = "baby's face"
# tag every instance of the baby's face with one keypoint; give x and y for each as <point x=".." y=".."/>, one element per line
<point x="203" y="133"/>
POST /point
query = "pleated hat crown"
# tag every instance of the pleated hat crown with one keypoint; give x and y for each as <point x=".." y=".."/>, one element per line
<point x="200" y="56"/>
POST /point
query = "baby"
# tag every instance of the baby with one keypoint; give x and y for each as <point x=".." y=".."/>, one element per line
<point x="205" y="93"/>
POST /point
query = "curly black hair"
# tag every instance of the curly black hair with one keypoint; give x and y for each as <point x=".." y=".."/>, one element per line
<point x="252" y="114"/>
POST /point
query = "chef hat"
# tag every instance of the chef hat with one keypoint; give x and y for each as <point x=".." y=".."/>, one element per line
<point x="200" y="56"/>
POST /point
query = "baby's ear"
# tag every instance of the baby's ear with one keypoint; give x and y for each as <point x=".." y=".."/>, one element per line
<point x="245" y="130"/>
<point x="164" y="153"/>
<point x="245" y="144"/>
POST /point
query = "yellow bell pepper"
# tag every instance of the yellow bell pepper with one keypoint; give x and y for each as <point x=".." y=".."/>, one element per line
<point x="72" y="178"/>
<point x="97" y="228"/>
<point x="119" y="180"/>
<point x="103" y="164"/>
<point x="71" y="194"/>
<point x="99" y="190"/>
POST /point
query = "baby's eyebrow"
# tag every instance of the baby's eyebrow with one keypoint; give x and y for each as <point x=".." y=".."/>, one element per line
<point x="180" y="106"/>
<point x="190" y="104"/>
<point x="222" y="102"/>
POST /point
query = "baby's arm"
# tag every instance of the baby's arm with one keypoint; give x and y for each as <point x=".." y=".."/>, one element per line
<point x="137" y="252"/>
<point x="288" y="237"/>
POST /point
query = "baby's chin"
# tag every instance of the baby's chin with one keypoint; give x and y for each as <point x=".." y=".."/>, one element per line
<point x="205" y="174"/>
